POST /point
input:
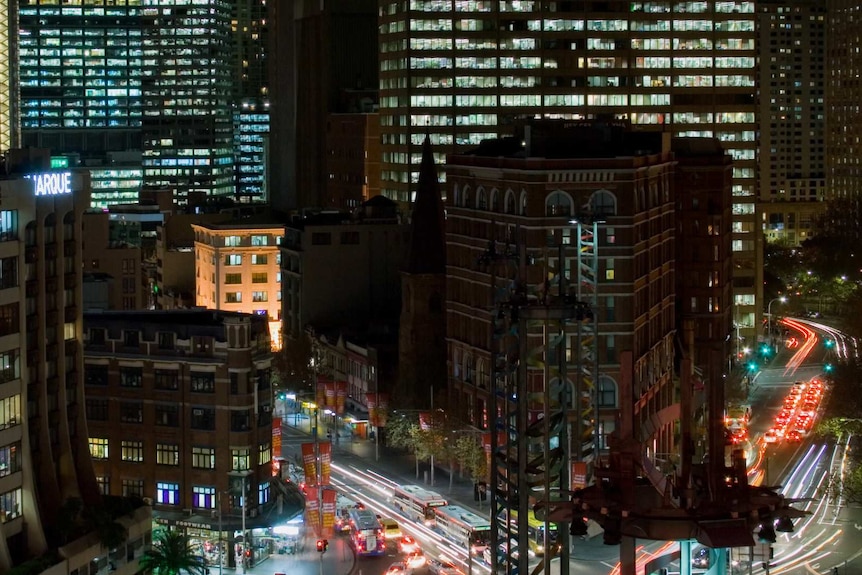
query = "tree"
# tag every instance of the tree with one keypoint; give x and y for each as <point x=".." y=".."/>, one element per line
<point x="292" y="364"/>
<point x="171" y="554"/>
<point x="472" y="456"/>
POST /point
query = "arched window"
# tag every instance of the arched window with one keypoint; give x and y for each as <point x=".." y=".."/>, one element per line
<point x="50" y="229"/>
<point x="456" y="195"/>
<point x="481" y="375"/>
<point x="495" y="200"/>
<point x="523" y="202"/>
<point x="465" y="199"/>
<point x="469" y="370"/>
<point x="603" y="203"/>
<point x="69" y="226"/>
<point x="607" y="397"/>
<point x="481" y="199"/>
<point x="509" y="206"/>
<point x="559" y="204"/>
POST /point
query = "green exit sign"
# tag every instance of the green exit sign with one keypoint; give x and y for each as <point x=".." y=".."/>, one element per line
<point x="59" y="162"/>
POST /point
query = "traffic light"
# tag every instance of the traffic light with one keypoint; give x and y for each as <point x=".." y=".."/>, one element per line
<point x="829" y="343"/>
<point x="322" y="544"/>
<point x="765" y="350"/>
<point x="752" y="366"/>
<point x="828" y="368"/>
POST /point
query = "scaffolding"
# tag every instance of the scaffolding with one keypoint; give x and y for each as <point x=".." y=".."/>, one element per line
<point x="543" y="412"/>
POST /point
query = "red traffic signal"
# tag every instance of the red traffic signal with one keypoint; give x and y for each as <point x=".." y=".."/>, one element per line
<point x="322" y="544"/>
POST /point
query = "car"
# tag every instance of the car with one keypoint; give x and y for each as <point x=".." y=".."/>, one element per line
<point x="793" y="436"/>
<point x="396" y="569"/>
<point x="408" y="545"/>
<point x="415" y="560"/>
<point x="700" y="559"/>
<point x="391" y="529"/>
<point x="442" y="567"/>
<point x="771" y="436"/>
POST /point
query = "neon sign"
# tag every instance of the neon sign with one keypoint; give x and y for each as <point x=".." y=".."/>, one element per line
<point x="52" y="183"/>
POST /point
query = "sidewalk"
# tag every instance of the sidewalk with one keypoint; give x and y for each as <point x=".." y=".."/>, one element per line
<point x="338" y="560"/>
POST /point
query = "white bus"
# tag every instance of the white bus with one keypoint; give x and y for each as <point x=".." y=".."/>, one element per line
<point x="366" y="533"/>
<point x="417" y="503"/>
<point x="463" y="527"/>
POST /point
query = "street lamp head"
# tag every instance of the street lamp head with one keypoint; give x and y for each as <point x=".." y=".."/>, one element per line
<point x="782" y="299"/>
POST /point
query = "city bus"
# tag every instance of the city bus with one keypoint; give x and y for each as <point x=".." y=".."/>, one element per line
<point x="463" y="527"/>
<point x="366" y="533"/>
<point x="535" y="532"/>
<point x="417" y="503"/>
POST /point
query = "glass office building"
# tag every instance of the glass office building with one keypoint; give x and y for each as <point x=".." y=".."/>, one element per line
<point x="186" y="86"/>
<point x="464" y="70"/>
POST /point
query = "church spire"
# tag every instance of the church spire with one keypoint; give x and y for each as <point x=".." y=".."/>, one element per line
<point x="427" y="253"/>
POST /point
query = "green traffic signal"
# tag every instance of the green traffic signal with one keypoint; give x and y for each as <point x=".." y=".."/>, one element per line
<point x="752" y="366"/>
<point x="765" y="349"/>
<point x="828" y="368"/>
<point x="829" y="342"/>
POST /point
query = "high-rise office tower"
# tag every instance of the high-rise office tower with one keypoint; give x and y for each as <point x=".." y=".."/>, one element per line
<point x="843" y="92"/>
<point x="464" y="70"/>
<point x="80" y="75"/>
<point x="792" y="163"/>
<point x="186" y="86"/>
<point x="10" y="121"/>
<point x="149" y="93"/>
<point x="316" y="50"/>
<point x="251" y="98"/>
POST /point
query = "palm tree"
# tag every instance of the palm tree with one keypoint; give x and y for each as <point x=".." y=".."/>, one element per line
<point x="172" y="554"/>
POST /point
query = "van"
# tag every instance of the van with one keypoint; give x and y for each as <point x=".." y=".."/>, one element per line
<point x="391" y="529"/>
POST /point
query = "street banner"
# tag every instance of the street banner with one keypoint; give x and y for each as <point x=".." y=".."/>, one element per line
<point x="320" y="393"/>
<point x="340" y="397"/>
<point x="579" y="475"/>
<point x="382" y="409"/>
<point x="330" y="394"/>
<point x="486" y="440"/>
<point x="312" y="510"/>
<point x="373" y="411"/>
<point x="425" y="420"/>
<point x="309" y="464"/>
<point x="325" y="461"/>
<point x="276" y="437"/>
<point x="377" y="404"/>
<point x="328" y="508"/>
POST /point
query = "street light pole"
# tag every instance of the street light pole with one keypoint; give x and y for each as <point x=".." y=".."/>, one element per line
<point x="782" y="299"/>
<point x="243" y="475"/>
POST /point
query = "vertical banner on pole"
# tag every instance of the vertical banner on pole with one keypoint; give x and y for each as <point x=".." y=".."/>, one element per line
<point x="312" y="510"/>
<point x="320" y="393"/>
<point x="382" y="408"/>
<point x="330" y="394"/>
<point x="309" y="464"/>
<point x="340" y="397"/>
<point x="325" y="461"/>
<point x="276" y="437"/>
<point x="579" y="475"/>
<point x="371" y="402"/>
<point x="328" y="509"/>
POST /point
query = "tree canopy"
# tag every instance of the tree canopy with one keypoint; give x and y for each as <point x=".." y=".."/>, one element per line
<point x="172" y="554"/>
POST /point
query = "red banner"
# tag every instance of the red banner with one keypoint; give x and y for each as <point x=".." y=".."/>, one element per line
<point x="340" y="397"/>
<point x="330" y="394"/>
<point x="328" y="508"/>
<point x="425" y="420"/>
<point x="276" y="437"/>
<point x="579" y="475"/>
<point x="309" y="464"/>
<point x="486" y="440"/>
<point x="325" y="461"/>
<point x="320" y="395"/>
<point x="377" y="407"/>
<point x="312" y="510"/>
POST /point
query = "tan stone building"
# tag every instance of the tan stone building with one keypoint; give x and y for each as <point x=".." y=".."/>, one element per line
<point x="237" y="267"/>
